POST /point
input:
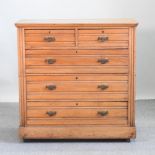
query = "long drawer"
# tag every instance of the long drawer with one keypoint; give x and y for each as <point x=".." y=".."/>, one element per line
<point x="78" y="86"/>
<point x="77" y="116"/>
<point x="76" y="112"/>
<point x="50" y="60"/>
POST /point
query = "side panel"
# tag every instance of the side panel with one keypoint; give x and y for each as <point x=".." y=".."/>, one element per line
<point x="21" y="74"/>
<point x="131" y="112"/>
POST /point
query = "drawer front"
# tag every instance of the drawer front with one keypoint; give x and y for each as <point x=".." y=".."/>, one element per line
<point x="77" y="86"/>
<point x="106" y="38"/>
<point x="76" y="69"/>
<point x="76" y="104"/>
<point x="77" y="77"/>
<point x="77" y="96"/>
<point x="78" y="52"/>
<point x="51" y="60"/>
<point x="46" y="39"/>
<point x="77" y="116"/>
<point x="76" y="112"/>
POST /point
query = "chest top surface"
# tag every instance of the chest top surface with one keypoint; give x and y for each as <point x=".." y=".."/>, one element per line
<point x="77" y="22"/>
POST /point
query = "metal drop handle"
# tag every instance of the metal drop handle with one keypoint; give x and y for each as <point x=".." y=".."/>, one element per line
<point x="49" y="38"/>
<point x="103" y="113"/>
<point x="103" y="86"/>
<point x="51" y="113"/>
<point x="50" y="61"/>
<point x="102" y="38"/>
<point x="51" y="87"/>
<point x="103" y="60"/>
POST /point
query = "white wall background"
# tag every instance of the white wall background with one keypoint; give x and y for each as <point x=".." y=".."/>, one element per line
<point x="13" y="10"/>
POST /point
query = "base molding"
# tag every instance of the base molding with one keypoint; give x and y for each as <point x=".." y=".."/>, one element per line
<point x="77" y="132"/>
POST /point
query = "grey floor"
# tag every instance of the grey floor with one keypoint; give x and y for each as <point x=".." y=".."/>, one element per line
<point x="143" y="145"/>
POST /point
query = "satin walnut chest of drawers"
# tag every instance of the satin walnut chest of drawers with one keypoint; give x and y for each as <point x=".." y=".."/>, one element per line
<point x="77" y="79"/>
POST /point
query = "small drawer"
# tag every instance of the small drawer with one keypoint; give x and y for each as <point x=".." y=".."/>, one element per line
<point x="46" y="39"/>
<point x="78" y="86"/>
<point x="103" y="38"/>
<point x="104" y="60"/>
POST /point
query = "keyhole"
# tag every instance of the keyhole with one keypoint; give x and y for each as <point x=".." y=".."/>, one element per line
<point x="76" y="51"/>
<point x="77" y="104"/>
<point x="76" y="78"/>
<point x="102" y="31"/>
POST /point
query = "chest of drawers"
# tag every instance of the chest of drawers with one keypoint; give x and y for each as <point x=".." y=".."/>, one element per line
<point x="77" y="79"/>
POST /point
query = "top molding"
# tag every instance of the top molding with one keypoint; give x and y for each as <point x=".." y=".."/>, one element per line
<point x="77" y="22"/>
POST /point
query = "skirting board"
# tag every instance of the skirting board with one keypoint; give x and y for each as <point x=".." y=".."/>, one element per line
<point x="75" y="132"/>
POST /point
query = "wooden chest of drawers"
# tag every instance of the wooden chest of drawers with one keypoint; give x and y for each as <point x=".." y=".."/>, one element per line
<point x="77" y="79"/>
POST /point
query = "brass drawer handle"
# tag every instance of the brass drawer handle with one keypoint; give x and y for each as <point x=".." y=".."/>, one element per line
<point x="51" y="87"/>
<point x="103" y="86"/>
<point x="49" y="38"/>
<point x="51" y="113"/>
<point x="103" y="113"/>
<point x="103" y="61"/>
<point x="102" y="38"/>
<point x="50" y="61"/>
